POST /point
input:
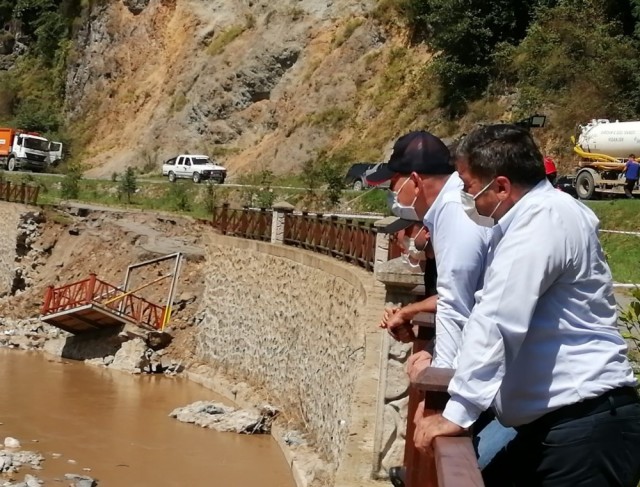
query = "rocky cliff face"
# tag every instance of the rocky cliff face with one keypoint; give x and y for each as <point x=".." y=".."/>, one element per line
<point x="256" y="83"/>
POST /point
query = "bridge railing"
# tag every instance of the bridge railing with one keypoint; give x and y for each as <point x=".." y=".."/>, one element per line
<point x="348" y="239"/>
<point x="19" y="193"/>
<point x="97" y="291"/>
<point x="454" y="463"/>
<point x="245" y="223"/>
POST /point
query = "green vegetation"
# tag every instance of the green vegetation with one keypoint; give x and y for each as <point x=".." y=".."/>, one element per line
<point x="623" y="255"/>
<point x="70" y="186"/>
<point x="619" y="214"/>
<point x="128" y="184"/>
<point x="347" y="31"/>
<point x="630" y="318"/>
<point x="32" y="93"/>
<point x="334" y="118"/>
<point x="259" y="192"/>
<point x="226" y="37"/>
<point x="574" y="59"/>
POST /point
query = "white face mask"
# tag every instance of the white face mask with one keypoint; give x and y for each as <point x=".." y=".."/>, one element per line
<point x="469" y="206"/>
<point x="399" y="210"/>
<point x="412" y="255"/>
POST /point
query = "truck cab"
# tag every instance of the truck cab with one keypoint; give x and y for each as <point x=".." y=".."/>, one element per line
<point x="23" y="150"/>
<point x="195" y="167"/>
<point x="55" y="153"/>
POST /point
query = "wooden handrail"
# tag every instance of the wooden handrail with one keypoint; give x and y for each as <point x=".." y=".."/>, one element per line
<point x="433" y="379"/>
<point x="456" y="462"/>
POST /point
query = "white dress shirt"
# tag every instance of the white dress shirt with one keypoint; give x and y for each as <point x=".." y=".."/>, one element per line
<point x="544" y="331"/>
<point x="460" y="248"/>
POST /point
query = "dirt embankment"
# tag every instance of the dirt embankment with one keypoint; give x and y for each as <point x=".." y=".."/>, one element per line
<point x="61" y="246"/>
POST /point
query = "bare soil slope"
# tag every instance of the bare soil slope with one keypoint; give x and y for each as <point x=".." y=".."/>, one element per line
<point x="257" y="84"/>
<point x="67" y="247"/>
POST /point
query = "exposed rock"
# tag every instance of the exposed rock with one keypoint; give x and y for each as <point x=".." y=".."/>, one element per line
<point x="80" y="480"/>
<point x="158" y="340"/>
<point x="135" y="6"/>
<point x="225" y="418"/>
<point x="12" y="461"/>
<point x="10" y="442"/>
<point x="132" y="356"/>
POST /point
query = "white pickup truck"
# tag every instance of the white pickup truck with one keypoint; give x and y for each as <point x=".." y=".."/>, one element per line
<point x="195" y="167"/>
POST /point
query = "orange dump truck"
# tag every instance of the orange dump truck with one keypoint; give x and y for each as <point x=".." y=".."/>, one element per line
<point x="23" y="150"/>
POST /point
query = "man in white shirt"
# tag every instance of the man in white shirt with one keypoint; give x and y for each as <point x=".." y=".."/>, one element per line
<point x="425" y="188"/>
<point x="541" y="346"/>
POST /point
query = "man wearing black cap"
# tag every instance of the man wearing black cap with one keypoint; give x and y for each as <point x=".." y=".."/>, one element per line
<point x="542" y="346"/>
<point x="426" y="188"/>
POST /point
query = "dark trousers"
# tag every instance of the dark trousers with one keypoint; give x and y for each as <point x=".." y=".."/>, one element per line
<point x="597" y="450"/>
<point x="628" y="187"/>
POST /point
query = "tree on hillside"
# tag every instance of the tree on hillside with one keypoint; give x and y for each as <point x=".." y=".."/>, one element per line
<point x="128" y="184"/>
<point x="578" y="59"/>
<point x="465" y="33"/>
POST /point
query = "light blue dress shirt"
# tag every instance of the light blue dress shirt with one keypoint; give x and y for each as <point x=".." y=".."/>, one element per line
<point x="544" y="331"/>
<point x="460" y="248"/>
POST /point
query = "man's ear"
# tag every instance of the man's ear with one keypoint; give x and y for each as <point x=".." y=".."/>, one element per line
<point x="417" y="183"/>
<point x="503" y="189"/>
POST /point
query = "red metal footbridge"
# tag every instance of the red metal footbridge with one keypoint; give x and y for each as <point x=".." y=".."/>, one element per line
<point x="93" y="304"/>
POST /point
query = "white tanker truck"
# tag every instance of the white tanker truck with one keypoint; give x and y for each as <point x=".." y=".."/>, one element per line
<point x="603" y="147"/>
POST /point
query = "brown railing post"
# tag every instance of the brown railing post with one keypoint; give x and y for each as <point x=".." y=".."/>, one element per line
<point x="214" y="219"/>
<point x="91" y="286"/>
<point x="47" y="300"/>
<point x="224" y="218"/>
<point x="316" y="234"/>
<point x="8" y="191"/>
<point x="23" y="193"/>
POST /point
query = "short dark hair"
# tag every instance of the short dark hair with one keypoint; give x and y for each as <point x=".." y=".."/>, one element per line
<point x="503" y="150"/>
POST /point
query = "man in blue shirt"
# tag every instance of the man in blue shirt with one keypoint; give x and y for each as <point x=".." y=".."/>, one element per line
<point x="542" y="346"/>
<point x="631" y="173"/>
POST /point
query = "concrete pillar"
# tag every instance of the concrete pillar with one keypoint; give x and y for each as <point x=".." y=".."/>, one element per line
<point x="403" y="285"/>
<point x="280" y="209"/>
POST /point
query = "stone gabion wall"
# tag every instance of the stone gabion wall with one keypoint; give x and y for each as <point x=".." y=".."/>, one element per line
<point x="287" y="326"/>
<point x="10" y="218"/>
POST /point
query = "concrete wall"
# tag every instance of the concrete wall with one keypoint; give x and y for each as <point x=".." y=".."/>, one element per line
<point x="10" y="218"/>
<point x="302" y="326"/>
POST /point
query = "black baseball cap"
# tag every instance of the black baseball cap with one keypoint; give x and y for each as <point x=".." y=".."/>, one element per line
<point x="419" y="152"/>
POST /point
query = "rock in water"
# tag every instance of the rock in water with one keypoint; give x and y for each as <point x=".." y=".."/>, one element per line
<point x="11" y="442"/>
<point x="227" y="419"/>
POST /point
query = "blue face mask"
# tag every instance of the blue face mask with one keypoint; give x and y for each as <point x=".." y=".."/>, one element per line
<point x="398" y="209"/>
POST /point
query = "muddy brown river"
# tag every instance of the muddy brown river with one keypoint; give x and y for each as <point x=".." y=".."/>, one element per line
<point x="117" y="426"/>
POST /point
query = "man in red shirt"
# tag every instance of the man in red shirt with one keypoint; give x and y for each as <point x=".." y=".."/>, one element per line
<point x="550" y="169"/>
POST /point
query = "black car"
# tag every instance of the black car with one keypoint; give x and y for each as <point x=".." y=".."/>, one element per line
<point x="355" y="177"/>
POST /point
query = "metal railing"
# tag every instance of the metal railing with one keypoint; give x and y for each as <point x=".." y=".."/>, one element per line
<point x="348" y="240"/>
<point x="19" y="193"/>
<point x="245" y="223"/>
<point x="98" y="292"/>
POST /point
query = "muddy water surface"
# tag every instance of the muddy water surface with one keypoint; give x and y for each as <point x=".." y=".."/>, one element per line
<point x="118" y="426"/>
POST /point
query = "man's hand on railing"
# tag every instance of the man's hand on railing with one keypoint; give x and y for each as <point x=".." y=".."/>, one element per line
<point x="418" y="362"/>
<point x="430" y="427"/>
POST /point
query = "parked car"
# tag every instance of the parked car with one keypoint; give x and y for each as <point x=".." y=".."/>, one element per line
<point x="356" y="176"/>
<point x="195" y="167"/>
